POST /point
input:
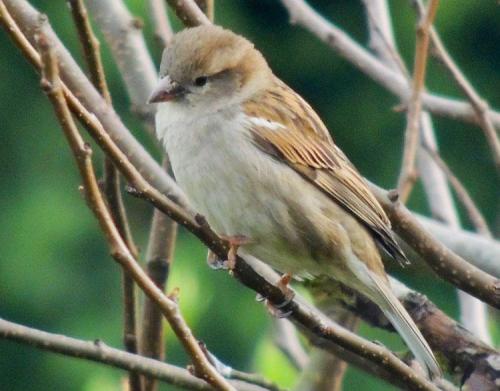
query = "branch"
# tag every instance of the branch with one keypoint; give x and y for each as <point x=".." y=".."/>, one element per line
<point x="461" y="353"/>
<point x="123" y="34"/>
<point x="99" y="352"/>
<point x="28" y="19"/>
<point x="369" y="356"/>
<point x="119" y="250"/>
<point x="475" y="216"/>
<point x="159" y="255"/>
<point x="188" y="12"/>
<point x="408" y="174"/>
<point x="480" y="106"/>
<point x="303" y="15"/>
<point x="162" y="29"/>
<point x="476" y="249"/>
<point x="287" y="340"/>
<point x="445" y="263"/>
<point x="111" y="185"/>
<point x="325" y="372"/>
<point x="207" y="7"/>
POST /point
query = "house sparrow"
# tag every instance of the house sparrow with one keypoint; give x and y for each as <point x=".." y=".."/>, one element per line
<point x="255" y="159"/>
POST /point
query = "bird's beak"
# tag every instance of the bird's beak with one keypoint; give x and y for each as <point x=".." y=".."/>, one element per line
<point x="166" y="90"/>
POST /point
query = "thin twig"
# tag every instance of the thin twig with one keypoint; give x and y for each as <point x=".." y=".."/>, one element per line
<point x="479" y="105"/>
<point x="354" y="348"/>
<point x="475" y="216"/>
<point x="111" y="185"/>
<point x="207" y="7"/>
<point x="91" y="47"/>
<point x="123" y="34"/>
<point x="82" y="152"/>
<point x="372" y="357"/>
<point x="98" y="351"/>
<point x="147" y="167"/>
<point x="188" y="12"/>
<point x="162" y="29"/>
<point x="287" y="340"/>
<point x="28" y="19"/>
<point x="325" y="372"/>
<point x="444" y="262"/>
<point x="159" y="255"/>
<point x="302" y="14"/>
<point x="408" y="174"/>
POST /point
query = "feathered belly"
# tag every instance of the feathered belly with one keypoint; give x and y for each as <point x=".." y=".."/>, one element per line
<point x="242" y="191"/>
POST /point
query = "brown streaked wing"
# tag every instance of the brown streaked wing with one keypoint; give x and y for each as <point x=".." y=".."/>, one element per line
<point x="305" y="145"/>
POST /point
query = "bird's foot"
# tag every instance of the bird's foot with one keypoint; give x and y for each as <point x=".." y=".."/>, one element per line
<point x="235" y="242"/>
<point x="215" y="262"/>
<point x="276" y="310"/>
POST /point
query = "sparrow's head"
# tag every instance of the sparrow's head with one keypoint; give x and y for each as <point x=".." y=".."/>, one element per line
<point x="211" y="67"/>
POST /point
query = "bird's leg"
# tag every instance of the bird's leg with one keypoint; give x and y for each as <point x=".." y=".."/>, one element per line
<point x="276" y="310"/>
<point x="235" y="242"/>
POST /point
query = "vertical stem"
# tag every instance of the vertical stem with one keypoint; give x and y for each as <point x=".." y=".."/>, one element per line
<point x="159" y="257"/>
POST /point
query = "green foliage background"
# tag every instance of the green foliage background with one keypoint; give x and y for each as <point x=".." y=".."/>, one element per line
<point x="55" y="272"/>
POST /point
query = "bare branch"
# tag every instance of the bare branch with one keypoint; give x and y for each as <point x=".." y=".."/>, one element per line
<point x="90" y="45"/>
<point x="461" y="353"/>
<point x="325" y="372"/>
<point x="479" y="105"/>
<point x="372" y="357"/>
<point x="287" y="340"/>
<point x="408" y="174"/>
<point x="52" y="86"/>
<point x="303" y="15"/>
<point x="188" y="12"/>
<point x="28" y="18"/>
<point x="124" y="36"/>
<point x="444" y="262"/>
<point x="475" y="216"/>
<point x="476" y="249"/>
<point x="159" y="257"/>
<point x="99" y="352"/>
<point x="159" y="18"/>
<point x="207" y="7"/>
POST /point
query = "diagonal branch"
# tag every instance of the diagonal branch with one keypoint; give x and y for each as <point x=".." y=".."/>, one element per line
<point x="351" y="345"/>
<point x="82" y="152"/>
<point x="480" y="106"/>
<point x="302" y="14"/>
<point x="443" y="261"/>
<point x="475" y="216"/>
<point x="372" y="357"/>
<point x="99" y="352"/>
<point x="189" y="12"/>
<point x="111" y="185"/>
<point x="123" y="35"/>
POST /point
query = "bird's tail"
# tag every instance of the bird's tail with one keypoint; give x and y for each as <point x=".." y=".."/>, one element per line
<point x="404" y="325"/>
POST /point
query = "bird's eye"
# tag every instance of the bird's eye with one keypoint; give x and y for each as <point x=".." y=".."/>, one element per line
<point x="200" y="81"/>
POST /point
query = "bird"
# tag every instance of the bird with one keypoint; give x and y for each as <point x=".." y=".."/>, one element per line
<point x="258" y="163"/>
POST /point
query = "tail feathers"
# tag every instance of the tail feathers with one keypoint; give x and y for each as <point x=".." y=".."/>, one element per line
<point x="404" y="325"/>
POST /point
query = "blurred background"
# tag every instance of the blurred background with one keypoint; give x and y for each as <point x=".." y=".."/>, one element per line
<point x="55" y="272"/>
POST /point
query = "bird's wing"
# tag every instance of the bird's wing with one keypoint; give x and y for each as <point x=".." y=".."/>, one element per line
<point x="283" y="125"/>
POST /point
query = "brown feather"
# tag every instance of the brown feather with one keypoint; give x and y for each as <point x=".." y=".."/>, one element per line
<point x="304" y="143"/>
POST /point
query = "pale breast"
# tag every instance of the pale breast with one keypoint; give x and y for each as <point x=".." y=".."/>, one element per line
<point x="243" y="191"/>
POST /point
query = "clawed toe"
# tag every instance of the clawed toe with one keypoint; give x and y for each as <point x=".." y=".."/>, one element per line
<point x="215" y="262"/>
<point x="276" y="309"/>
<point x="235" y="241"/>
